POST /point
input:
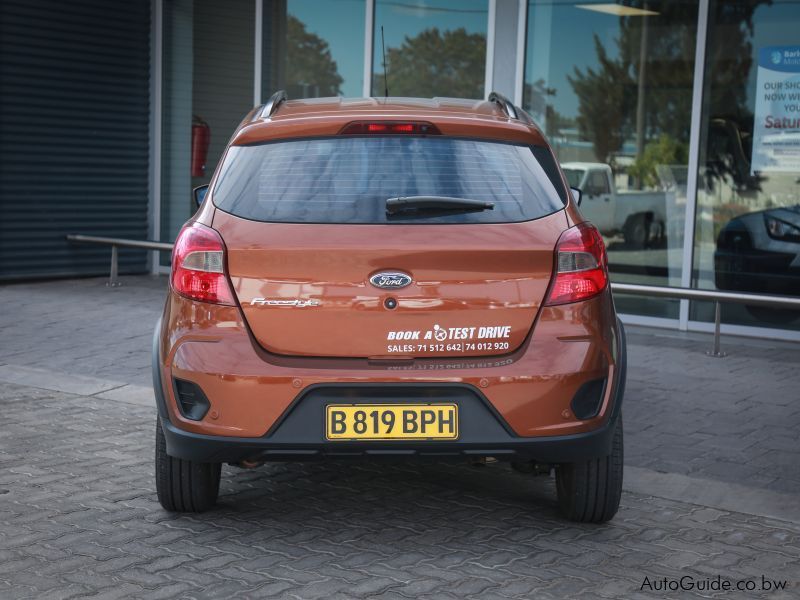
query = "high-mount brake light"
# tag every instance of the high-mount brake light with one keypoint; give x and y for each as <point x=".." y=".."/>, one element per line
<point x="581" y="266"/>
<point x="198" y="266"/>
<point x="389" y="127"/>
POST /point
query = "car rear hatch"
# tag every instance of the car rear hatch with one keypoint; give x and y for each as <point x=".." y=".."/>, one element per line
<point x="321" y="269"/>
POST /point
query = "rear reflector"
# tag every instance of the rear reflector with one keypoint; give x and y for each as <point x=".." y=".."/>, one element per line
<point x="581" y="266"/>
<point x="198" y="266"/>
<point x="389" y="127"/>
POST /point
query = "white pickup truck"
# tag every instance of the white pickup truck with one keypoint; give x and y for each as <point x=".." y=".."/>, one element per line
<point x="640" y="216"/>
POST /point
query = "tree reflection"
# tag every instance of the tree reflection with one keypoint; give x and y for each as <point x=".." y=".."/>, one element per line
<point x="436" y="63"/>
<point x="605" y="101"/>
<point x="311" y="71"/>
<point x="663" y="71"/>
<point x="730" y="129"/>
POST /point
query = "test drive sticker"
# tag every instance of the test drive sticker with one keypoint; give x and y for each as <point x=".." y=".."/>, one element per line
<point x="449" y="339"/>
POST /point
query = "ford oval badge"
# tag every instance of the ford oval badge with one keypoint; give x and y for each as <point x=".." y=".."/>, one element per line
<point x="390" y="280"/>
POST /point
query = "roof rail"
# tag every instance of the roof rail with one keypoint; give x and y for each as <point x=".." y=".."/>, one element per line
<point x="272" y="104"/>
<point x="505" y="104"/>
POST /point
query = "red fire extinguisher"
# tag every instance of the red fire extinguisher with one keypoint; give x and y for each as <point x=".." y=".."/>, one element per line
<point x="201" y="136"/>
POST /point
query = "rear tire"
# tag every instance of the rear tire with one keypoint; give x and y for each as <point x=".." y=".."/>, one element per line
<point x="589" y="491"/>
<point x="184" y="485"/>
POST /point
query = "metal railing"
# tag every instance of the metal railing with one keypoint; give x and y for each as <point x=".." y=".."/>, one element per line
<point x="716" y="297"/>
<point x="679" y="293"/>
<point x="116" y="243"/>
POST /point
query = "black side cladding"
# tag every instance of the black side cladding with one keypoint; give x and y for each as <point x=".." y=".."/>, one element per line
<point x="158" y="389"/>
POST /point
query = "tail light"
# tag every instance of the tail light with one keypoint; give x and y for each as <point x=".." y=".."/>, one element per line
<point x="198" y="266"/>
<point x="581" y="266"/>
<point x="389" y="127"/>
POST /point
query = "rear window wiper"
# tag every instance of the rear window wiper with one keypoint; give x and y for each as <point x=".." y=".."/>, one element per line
<point x="440" y="203"/>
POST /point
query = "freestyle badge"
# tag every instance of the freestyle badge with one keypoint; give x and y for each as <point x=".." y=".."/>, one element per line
<point x="294" y="303"/>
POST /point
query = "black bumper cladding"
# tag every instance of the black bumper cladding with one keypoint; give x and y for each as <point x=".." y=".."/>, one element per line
<point x="299" y="434"/>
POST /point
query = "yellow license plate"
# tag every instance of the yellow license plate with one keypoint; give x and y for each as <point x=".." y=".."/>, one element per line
<point x="391" y="422"/>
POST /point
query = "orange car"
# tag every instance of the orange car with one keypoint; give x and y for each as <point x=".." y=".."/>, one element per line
<point x="390" y="278"/>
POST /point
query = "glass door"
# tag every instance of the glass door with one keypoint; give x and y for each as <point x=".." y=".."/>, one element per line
<point x="748" y="202"/>
<point x="207" y="88"/>
<point x="611" y="85"/>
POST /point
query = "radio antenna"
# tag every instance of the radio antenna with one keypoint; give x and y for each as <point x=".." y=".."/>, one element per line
<point x="385" y="72"/>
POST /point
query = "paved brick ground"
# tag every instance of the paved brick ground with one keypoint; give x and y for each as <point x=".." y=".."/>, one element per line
<point x="81" y="326"/>
<point x="78" y="518"/>
<point x="78" y="514"/>
<point x="734" y="419"/>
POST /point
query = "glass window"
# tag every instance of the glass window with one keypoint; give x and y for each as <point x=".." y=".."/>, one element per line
<point x="611" y="85"/>
<point x="433" y="48"/>
<point x="314" y="49"/>
<point x="748" y="203"/>
<point x="207" y="87"/>
<point x="349" y="179"/>
<point x="573" y="177"/>
<point x="598" y="184"/>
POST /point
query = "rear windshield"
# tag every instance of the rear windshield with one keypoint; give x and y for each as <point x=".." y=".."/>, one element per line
<point x="349" y="179"/>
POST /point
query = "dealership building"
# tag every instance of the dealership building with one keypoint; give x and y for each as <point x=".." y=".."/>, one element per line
<point x="679" y="120"/>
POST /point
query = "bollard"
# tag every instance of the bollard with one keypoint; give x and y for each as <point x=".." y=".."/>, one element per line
<point x="715" y="351"/>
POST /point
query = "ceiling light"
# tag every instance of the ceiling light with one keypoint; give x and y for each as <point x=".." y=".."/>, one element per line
<point x="618" y="10"/>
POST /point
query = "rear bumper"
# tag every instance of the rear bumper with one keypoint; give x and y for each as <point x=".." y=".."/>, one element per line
<point x="298" y="435"/>
<point x="551" y="449"/>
